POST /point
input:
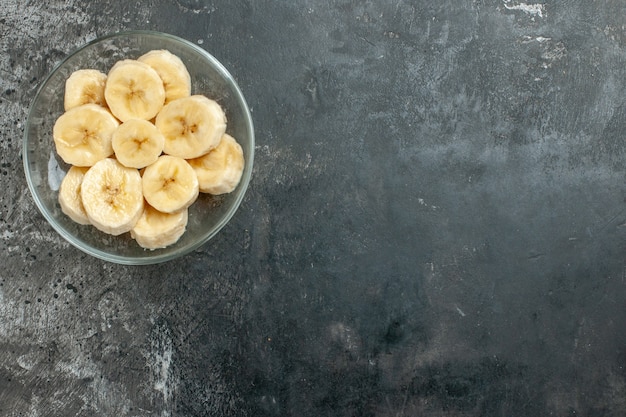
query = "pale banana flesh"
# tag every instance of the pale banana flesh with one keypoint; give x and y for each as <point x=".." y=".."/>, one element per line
<point x="115" y="133"/>
<point x="112" y="196"/>
<point x="137" y="143"/>
<point x="170" y="184"/>
<point x="84" y="86"/>
<point x="156" y="230"/>
<point x="220" y="170"/>
<point x="134" y="90"/>
<point x="192" y="126"/>
<point x="83" y="134"/>
<point x="69" y="195"/>
<point x="173" y="72"/>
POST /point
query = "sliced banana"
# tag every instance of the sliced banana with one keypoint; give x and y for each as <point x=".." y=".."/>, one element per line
<point x="192" y="126"/>
<point x="69" y="195"/>
<point x="112" y="196"/>
<point x="173" y="72"/>
<point x="137" y="143"/>
<point x="141" y="176"/>
<point x="82" y="135"/>
<point x="170" y="184"/>
<point x="219" y="171"/>
<point x="84" y="86"/>
<point x="134" y="90"/>
<point x="155" y="230"/>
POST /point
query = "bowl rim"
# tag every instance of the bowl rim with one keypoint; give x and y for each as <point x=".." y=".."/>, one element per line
<point x="152" y="257"/>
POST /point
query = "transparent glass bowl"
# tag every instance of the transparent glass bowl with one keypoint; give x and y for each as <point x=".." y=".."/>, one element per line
<point x="44" y="168"/>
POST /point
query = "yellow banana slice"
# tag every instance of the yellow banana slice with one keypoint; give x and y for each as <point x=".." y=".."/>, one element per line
<point x="82" y="135"/>
<point x="170" y="184"/>
<point x="219" y="171"/>
<point x="155" y="230"/>
<point x="134" y="90"/>
<point x="192" y="126"/>
<point x="69" y="195"/>
<point x="112" y="196"/>
<point x="137" y="143"/>
<point x="173" y="72"/>
<point x="84" y="86"/>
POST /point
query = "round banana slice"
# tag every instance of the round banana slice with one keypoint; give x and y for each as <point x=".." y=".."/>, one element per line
<point x="219" y="171"/>
<point x="69" y="195"/>
<point x="82" y="135"/>
<point x="134" y="90"/>
<point x="170" y="184"/>
<point x="137" y="143"/>
<point x="84" y="86"/>
<point x="173" y="72"/>
<point x="112" y="196"/>
<point x="192" y="126"/>
<point x="155" y="230"/>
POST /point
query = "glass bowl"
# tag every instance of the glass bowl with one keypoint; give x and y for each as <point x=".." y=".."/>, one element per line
<point x="44" y="168"/>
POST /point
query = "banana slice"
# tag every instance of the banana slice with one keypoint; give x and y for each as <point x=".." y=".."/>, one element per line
<point x="219" y="171"/>
<point x="134" y="90"/>
<point x="155" y="230"/>
<point x="84" y="86"/>
<point x="170" y="184"/>
<point x="112" y="196"/>
<point x="173" y="72"/>
<point x="82" y="135"/>
<point x="69" y="195"/>
<point x="137" y="143"/>
<point x="192" y="126"/>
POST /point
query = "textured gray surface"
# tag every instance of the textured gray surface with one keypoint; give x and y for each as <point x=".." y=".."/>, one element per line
<point x="435" y="224"/>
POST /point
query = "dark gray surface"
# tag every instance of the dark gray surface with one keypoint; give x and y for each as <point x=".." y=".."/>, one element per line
<point x="435" y="224"/>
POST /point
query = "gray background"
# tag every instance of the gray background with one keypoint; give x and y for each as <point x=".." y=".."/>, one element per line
<point x="435" y="224"/>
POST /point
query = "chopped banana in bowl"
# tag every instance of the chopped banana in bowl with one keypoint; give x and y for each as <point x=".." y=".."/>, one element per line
<point x="154" y="141"/>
